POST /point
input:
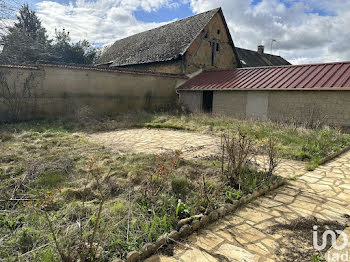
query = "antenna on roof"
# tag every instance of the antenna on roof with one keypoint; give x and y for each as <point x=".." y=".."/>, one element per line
<point x="272" y="41"/>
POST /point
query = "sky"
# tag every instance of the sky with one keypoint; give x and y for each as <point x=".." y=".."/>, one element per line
<point x="305" y="31"/>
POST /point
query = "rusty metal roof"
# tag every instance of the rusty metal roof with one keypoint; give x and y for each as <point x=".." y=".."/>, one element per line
<point x="328" y="76"/>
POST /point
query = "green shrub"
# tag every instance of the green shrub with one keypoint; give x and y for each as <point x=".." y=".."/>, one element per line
<point x="179" y="185"/>
<point x="182" y="210"/>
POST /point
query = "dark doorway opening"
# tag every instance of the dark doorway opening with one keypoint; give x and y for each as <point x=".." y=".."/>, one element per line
<point x="207" y="101"/>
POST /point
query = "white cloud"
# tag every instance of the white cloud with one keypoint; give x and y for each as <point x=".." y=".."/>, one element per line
<point x="303" y="35"/>
<point x="102" y="21"/>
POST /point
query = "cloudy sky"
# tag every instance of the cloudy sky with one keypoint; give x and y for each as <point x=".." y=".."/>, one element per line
<point x="306" y="31"/>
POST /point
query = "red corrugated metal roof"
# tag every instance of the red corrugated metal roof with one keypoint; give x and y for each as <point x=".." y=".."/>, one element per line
<point x="327" y="76"/>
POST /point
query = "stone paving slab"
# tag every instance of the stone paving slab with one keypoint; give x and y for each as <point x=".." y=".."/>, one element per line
<point x="192" y="145"/>
<point x="247" y="236"/>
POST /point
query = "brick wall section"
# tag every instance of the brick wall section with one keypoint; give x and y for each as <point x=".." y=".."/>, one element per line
<point x="232" y="103"/>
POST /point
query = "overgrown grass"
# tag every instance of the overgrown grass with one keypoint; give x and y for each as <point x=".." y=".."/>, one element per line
<point x="145" y="194"/>
<point x="142" y="191"/>
<point x="294" y="142"/>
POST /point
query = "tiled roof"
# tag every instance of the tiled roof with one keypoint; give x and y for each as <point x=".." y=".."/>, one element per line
<point x="250" y="58"/>
<point x="160" y="44"/>
<point x="329" y="76"/>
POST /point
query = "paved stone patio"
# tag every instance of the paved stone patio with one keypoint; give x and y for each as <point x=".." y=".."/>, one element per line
<point x="192" y="145"/>
<point x="246" y="235"/>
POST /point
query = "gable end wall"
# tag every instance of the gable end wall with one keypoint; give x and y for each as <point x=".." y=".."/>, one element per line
<point x="199" y="54"/>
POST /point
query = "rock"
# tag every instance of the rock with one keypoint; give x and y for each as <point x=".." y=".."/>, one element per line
<point x="160" y="241"/>
<point x="184" y="222"/>
<point x="213" y="216"/>
<point x="222" y="211"/>
<point x="174" y="235"/>
<point x="133" y="256"/>
<point x="185" y="230"/>
<point x="148" y="249"/>
<point x="204" y="220"/>
<point x="195" y="224"/>
<point x="256" y="194"/>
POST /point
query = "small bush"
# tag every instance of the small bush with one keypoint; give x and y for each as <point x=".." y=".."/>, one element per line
<point x="182" y="210"/>
<point x="179" y="185"/>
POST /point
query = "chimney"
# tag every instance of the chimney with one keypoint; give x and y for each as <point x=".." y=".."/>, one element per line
<point x="260" y="49"/>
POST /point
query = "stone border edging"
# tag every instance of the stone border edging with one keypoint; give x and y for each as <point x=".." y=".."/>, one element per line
<point x="187" y="226"/>
<point x="334" y="155"/>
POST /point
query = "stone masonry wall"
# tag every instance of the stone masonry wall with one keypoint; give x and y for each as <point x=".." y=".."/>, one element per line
<point x="199" y="54"/>
<point x="61" y="91"/>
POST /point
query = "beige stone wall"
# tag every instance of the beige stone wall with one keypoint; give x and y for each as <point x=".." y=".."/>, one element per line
<point x="169" y="67"/>
<point x="327" y="107"/>
<point x="191" y="101"/>
<point x="330" y="107"/>
<point x="199" y="54"/>
<point x="230" y="103"/>
<point x="63" y="90"/>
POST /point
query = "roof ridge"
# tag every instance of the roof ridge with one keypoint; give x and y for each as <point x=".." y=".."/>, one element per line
<point x="159" y="44"/>
<point x="315" y="64"/>
<point x="323" y="76"/>
<point x="167" y="23"/>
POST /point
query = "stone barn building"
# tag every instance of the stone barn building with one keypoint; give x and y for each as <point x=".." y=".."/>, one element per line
<point x="300" y="93"/>
<point x="201" y="41"/>
<point x="186" y="46"/>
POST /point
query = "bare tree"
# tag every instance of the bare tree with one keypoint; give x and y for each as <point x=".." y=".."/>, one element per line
<point x="7" y="14"/>
<point x="18" y="93"/>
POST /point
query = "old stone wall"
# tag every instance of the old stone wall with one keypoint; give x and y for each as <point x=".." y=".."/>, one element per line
<point x="311" y="107"/>
<point x="199" y="54"/>
<point x="59" y="91"/>
<point x="169" y="67"/>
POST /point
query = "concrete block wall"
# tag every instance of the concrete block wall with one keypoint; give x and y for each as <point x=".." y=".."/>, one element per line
<point x="191" y="101"/>
<point x="230" y="103"/>
<point x="330" y="107"/>
<point x="327" y="107"/>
